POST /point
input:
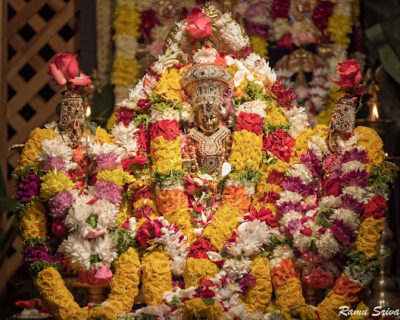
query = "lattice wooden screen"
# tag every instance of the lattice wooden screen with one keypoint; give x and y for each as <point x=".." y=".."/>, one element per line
<point x="33" y="32"/>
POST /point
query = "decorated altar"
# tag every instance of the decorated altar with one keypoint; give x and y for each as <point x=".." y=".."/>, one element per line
<point x="213" y="196"/>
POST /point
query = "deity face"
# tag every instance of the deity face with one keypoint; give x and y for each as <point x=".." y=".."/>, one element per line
<point x="208" y="122"/>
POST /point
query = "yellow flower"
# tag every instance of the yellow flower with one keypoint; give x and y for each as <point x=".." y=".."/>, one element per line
<point x="197" y="307"/>
<point x="196" y="269"/>
<point x="56" y="296"/>
<point x="339" y="27"/>
<point x="140" y="203"/>
<point x="274" y="115"/>
<point x="170" y="85"/>
<point x="54" y="182"/>
<point x="126" y="21"/>
<point x="224" y="223"/>
<point x="246" y="150"/>
<point x="301" y="146"/>
<point x="124" y="213"/>
<point x="324" y="117"/>
<point x="289" y="294"/>
<point x="33" y="223"/>
<point x="260" y="46"/>
<point x="33" y="146"/>
<point x="103" y="136"/>
<point x="328" y="309"/>
<point x="165" y="154"/>
<point x="259" y="296"/>
<point x="117" y="176"/>
<point x="124" y="286"/>
<point x="125" y="71"/>
<point x="103" y="313"/>
<point x="369" y="235"/>
<point x="182" y="219"/>
<point x="372" y="143"/>
<point x="156" y="276"/>
<point x="361" y="308"/>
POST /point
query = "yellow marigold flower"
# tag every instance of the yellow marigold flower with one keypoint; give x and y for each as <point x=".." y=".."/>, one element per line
<point x="360" y="307"/>
<point x="103" y="136"/>
<point x="259" y="296"/>
<point x="301" y="146"/>
<point x="324" y="117"/>
<point x="124" y="286"/>
<point x="125" y="71"/>
<point x="33" y="223"/>
<point x="103" y="313"/>
<point x="339" y="27"/>
<point x="54" y="182"/>
<point x="246" y="150"/>
<point x="372" y="143"/>
<point x="289" y="294"/>
<point x="156" y="276"/>
<point x="140" y="203"/>
<point x="328" y="309"/>
<point x="275" y="116"/>
<point x="302" y="310"/>
<point x="196" y="269"/>
<point x="260" y="46"/>
<point x="117" y="176"/>
<point x="56" y="296"/>
<point x="182" y="219"/>
<point x="33" y="146"/>
<point x="170" y="85"/>
<point x="165" y="154"/>
<point x="126" y="21"/>
<point x="224" y="223"/>
<point x="369" y="235"/>
<point x="124" y="213"/>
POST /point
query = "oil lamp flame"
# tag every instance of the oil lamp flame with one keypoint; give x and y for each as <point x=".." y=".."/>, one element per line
<point x="374" y="112"/>
<point x="88" y="111"/>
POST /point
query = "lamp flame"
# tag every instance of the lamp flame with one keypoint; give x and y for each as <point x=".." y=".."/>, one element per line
<point x="88" y="111"/>
<point x="374" y="112"/>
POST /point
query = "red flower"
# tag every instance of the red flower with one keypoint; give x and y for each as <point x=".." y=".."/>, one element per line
<point x="168" y="129"/>
<point x="124" y="115"/>
<point x="375" y="207"/>
<point x="143" y="138"/>
<point x="279" y="144"/>
<point x="207" y="293"/>
<point x="285" y="42"/>
<point x="318" y="278"/>
<point x="58" y="228"/>
<point x="149" y="21"/>
<point x="199" y="248"/>
<point x="350" y="76"/>
<point x="66" y="68"/>
<point x="306" y="231"/>
<point x="270" y="197"/>
<point x="280" y="9"/>
<point x="264" y="214"/>
<point x="27" y="304"/>
<point x="332" y="187"/>
<point x="144" y="104"/>
<point x="249" y="121"/>
<point x="148" y="231"/>
<point x="275" y="177"/>
<point x="139" y="159"/>
<point x="199" y="27"/>
<point x="283" y="96"/>
<point x="144" y="212"/>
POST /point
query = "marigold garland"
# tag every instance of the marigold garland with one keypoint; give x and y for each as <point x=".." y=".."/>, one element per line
<point x="181" y="218"/>
<point x="236" y="196"/>
<point x="197" y="269"/>
<point x="117" y="176"/>
<point x="369" y="235"/>
<point x="372" y="143"/>
<point x="246" y="150"/>
<point x="197" y="306"/>
<point x="166" y="155"/>
<point x="169" y="200"/>
<point x="33" y="222"/>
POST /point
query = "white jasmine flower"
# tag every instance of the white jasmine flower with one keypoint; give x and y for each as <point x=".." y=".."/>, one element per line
<point x="166" y="114"/>
<point x="237" y="268"/>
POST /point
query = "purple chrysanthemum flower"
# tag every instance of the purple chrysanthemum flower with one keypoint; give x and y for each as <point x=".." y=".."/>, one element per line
<point x="288" y="206"/>
<point x="28" y="188"/>
<point x="246" y="283"/>
<point x="357" y="178"/>
<point x="342" y="231"/>
<point x="351" y="203"/>
<point x="54" y="163"/>
<point x="292" y="227"/>
<point x="109" y="191"/>
<point x="60" y="203"/>
<point x="295" y="184"/>
<point x="109" y="161"/>
<point x="310" y="160"/>
<point x="354" y="155"/>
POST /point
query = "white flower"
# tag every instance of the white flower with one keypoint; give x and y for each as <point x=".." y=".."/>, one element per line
<point x="353" y="165"/>
<point x="104" y="247"/>
<point x="346" y="145"/>
<point x="256" y="106"/>
<point x="78" y="251"/>
<point x="126" y="45"/>
<point x="279" y="253"/>
<point x="187" y="113"/>
<point x="57" y="148"/>
<point x="318" y="145"/>
<point x="231" y="32"/>
<point x="359" y="193"/>
<point x="260" y="68"/>
<point x="142" y="90"/>
<point x="301" y="171"/>
<point x="226" y="169"/>
<point x="78" y="213"/>
<point x="330" y="202"/>
<point x="301" y="241"/>
<point x="347" y="216"/>
<point x="105" y="212"/>
<point x="132" y="226"/>
<point x="287" y="196"/>
<point x="237" y="268"/>
<point x="298" y="121"/>
<point x="205" y="55"/>
<point x="290" y="216"/>
<point x="125" y="138"/>
<point x="236" y="312"/>
<point x="167" y="114"/>
<point x="327" y="245"/>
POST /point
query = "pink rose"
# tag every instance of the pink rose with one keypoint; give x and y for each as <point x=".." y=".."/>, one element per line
<point x="199" y="27"/>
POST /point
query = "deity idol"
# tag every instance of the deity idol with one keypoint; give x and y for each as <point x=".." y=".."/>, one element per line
<point x="209" y="218"/>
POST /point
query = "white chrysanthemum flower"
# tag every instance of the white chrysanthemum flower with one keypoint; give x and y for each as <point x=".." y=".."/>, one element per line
<point x="125" y="138"/>
<point x="290" y="216"/>
<point x="237" y="268"/>
<point x="126" y="45"/>
<point x="231" y="31"/>
<point x="287" y="196"/>
<point x="353" y="165"/>
<point x="165" y="62"/>
<point x="78" y="251"/>
<point x="327" y="244"/>
<point x="349" y="144"/>
<point x="105" y="248"/>
<point x="166" y="114"/>
<point x="298" y="121"/>
<point x="260" y="68"/>
<point x="187" y="113"/>
<point x="256" y="106"/>
<point x="319" y="146"/>
<point x="356" y="192"/>
<point x="301" y="171"/>
<point x="279" y="253"/>
<point x="205" y="55"/>
<point x="349" y="217"/>
<point x="236" y="312"/>
<point x="78" y="212"/>
<point x="330" y="202"/>
<point x="229" y="294"/>
<point x="301" y="241"/>
<point x="105" y="212"/>
<point x="57" y="148"/>
<point x="142" y="90"/>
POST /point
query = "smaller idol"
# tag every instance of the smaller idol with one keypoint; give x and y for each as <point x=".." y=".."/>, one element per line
<point x="209" y="141"/>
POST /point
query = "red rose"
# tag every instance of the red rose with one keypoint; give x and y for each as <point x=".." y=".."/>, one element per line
<point x="249" y="121"/>
<point x="284" y="97"/>
<point x="264" y="214"/>
<point x="199" y="27"/>
<point x="148" y="231"/>
<point x="168" y="129"/>
<point x="349" y="76"/>
<point x="58" y="228"/>
<point x="199" y="249"/>
<point x="280" y="144"/>
<point x="375" y="207"/>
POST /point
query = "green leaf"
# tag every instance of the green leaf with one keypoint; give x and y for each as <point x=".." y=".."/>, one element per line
<point x="208" y="301"/>
<point x="92" y="126"/>
<point x="322" y="220"/>
<point x="92" y="220"/>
